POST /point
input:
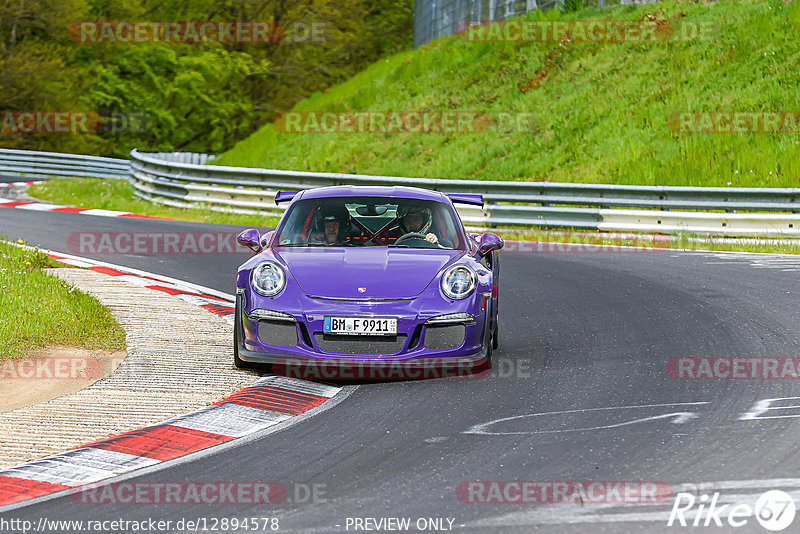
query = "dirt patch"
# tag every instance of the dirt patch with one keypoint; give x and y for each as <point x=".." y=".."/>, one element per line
<point x="52" y="372"/>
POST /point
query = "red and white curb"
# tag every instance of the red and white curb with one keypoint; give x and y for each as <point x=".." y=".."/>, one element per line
<point x="43" y="206"/>
<point x="269" y="401"/>
<point x="216" y="302"/>
<point x="18" y="184"/>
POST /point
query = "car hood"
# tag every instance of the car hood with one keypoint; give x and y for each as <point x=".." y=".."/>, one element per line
<point x="381" y="273"/>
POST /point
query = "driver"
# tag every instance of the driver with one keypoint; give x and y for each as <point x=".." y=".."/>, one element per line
<point x="334" y="225"/>
<point x="416" y="219"/>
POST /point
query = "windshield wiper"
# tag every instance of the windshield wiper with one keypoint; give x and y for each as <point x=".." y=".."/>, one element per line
<point x="303" y="245"/>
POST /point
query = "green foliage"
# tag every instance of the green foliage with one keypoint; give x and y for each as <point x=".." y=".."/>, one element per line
<point x="595" y="112"/>
<point x="200" y="97"/>
<point x="192" y="98"/>
<point x="572" y="5"/>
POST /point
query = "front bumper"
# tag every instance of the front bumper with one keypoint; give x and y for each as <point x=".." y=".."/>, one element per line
<point x="306" y="349"/>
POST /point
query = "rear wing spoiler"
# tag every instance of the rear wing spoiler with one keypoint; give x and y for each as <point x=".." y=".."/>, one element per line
<point x="456" y="198"/>
<point x="459" y="198"/>
<point x="284" y="196"/>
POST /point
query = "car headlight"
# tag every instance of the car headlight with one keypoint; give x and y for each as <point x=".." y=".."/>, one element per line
<point x="268" y="279"/>
<point x="458" y="282"/>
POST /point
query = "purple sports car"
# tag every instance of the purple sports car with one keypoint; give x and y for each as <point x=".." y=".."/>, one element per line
<point x="358" y="277"/>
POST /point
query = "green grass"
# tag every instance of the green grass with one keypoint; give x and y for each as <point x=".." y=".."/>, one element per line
<point x="599" y="115"/>
<point x="38" y="310"/>
<point x="698" y="243"/>
<point x="118" y="195"/>
<point x="683" y="241"/>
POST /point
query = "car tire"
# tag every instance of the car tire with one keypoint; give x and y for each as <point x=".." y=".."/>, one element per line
<point x="495" y="339"/>
<point x="489" y="348"/>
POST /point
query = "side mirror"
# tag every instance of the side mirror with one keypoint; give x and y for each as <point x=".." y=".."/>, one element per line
<point x="250" y="238"/>
<point x="490" y="242"/>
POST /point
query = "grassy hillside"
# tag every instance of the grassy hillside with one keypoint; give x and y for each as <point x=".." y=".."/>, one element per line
<point x="598" y="112"/>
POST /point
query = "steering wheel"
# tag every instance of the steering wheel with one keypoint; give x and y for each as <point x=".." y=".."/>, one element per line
<point x="410" y="235"/>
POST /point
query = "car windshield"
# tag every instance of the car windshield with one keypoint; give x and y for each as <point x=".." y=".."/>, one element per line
<point x="371" y="222"/>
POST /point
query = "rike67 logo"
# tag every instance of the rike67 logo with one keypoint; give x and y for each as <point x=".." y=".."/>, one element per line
<point x="774" y="510"/>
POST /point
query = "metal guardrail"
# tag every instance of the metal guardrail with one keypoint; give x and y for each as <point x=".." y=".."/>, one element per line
<point x="715" y="210"/>
<point x="196" y="158"/>
<point x="47" y="164"/>
<point x="435" y="18"/>
<point x="182" y="179"/>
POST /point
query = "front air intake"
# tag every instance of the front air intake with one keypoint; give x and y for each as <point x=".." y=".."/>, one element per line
<point x="444" y="336"/>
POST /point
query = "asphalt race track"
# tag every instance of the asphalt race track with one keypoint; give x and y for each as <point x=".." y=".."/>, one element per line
<point x="584" y="334"/>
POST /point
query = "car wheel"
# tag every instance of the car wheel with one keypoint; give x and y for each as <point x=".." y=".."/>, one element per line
<point x="495" y="341"/>
<point x="489" y="348"/>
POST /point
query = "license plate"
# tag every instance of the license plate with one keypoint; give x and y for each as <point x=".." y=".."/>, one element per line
<point x="375" y="326"/>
